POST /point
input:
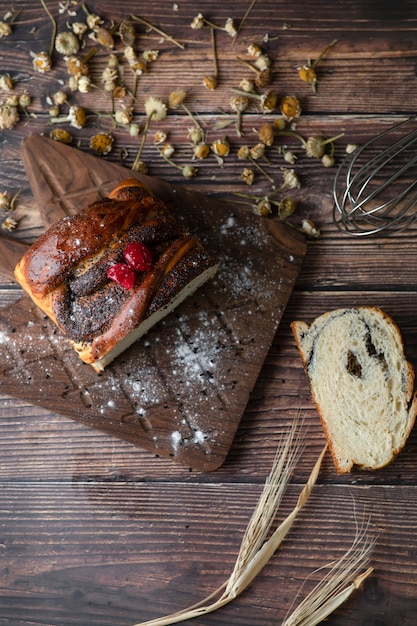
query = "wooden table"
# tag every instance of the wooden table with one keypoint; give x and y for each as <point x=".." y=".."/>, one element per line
<point x="95" y="531"/>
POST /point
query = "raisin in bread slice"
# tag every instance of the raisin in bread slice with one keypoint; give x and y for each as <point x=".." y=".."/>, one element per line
<point x="361" y="384"/>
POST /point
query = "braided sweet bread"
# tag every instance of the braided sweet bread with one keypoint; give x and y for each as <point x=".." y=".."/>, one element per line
<point x="106" y="275"/>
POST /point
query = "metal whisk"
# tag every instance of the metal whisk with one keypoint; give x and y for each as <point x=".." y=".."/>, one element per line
<point x="377" y="192"/>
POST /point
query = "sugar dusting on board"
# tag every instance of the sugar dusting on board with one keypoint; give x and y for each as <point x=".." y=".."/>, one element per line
<point x="182" y="388"/>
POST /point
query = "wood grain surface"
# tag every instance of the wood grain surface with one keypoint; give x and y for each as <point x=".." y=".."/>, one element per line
<point x="96" y="531"/>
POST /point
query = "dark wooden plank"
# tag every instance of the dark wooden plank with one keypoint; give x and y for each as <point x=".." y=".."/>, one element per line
<point x="80" y="552"/>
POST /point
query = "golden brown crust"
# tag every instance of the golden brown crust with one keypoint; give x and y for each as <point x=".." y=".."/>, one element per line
<point x="65" y="271"/>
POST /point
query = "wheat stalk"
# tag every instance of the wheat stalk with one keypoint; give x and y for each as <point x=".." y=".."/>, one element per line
<point x="342" y="579"/>
<point x="255" y="552"/>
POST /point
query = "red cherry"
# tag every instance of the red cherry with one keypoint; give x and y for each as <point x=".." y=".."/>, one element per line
<point x="138" y="256"/>
<point x="122" y="274"/>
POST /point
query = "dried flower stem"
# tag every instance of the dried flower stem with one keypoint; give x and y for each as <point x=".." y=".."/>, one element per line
<point x="54" y="27"/>
<point x="141" y="20"/>
<point x="255" y="552"/>
<point x="192" y="116"/>
<point x="243" y="20"/>
<point x="142" y="143"/>
<point x="322" y="54"/>
<point x="261" y="169"/>
<point x="214" y="48"/>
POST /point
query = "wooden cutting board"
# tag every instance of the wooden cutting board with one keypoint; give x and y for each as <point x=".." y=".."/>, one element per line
<point x="180" y="391"/>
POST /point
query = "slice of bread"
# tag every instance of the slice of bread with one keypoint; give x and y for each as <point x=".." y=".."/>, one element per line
<point x="361" y="384"/>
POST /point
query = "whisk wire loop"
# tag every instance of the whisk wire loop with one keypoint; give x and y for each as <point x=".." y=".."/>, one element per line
<point x="378" y="193"/>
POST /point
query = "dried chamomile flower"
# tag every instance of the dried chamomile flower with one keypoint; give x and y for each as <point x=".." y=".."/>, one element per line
<point x="84" y="84"/>
<point x="77" y="116"/>
<point x="286" y="207"/>
<point x="351" y="147"/>
<point x="167" y="150"/>
<point x="263" y="208"/>
<point x="77" y="66"/>
<point x="119" y="91"/>
<point x="254" y="50"/>
<point x="101" y="143"/>
<point x="6" y="82"/>
<point x="189" y="171"/>
<point x="290" y="108"/>
<point x="9" y="116"/>
<point x="316" y="145"/>
<point x="307" y="72"/>
<point x="109" y="77"/>
<point x="198" y="22"/>
<point x="42" y="62"/>
<point x="201" y="151"/>
<point x="79" y="28"/>
<point x="54" y="111"/>
<point x="25" y="100"/>
<point x="291" y="179"/>
<point x="243" y="153"/>
<point x="280" y="124"/>
<point x="195" y="134"/>
<point x="160" y="136"/>
<point x="4" y="201"/>
<point x="13" y="100"/>
<point x="60" y="97"/>
<point x="230" y="27"/>
<point x="10" y="223"/>
<point x="176" y="98"/>
<point x="239" y="104"/>
<point x="221" y="147"/>
<point x="263" y="76"/>
<point x="103" y="37"/>
<point x="248" y="176"/>
<point x="138" y="66"/>
<point x="155" y="109"/>
<point x="310" y="229"/>
<point x="150" y="55"/>
<point x="134" y="130"/>
<point x="267" y="134"/>
<point x="7" y="202"/>
<point x="5" y="29"/>
<point x="67" y="43"/>
<point x="263" y="62"/>
<point x="123" y="116"/>
<point x="289" y="157"/>
<point x="269" y="101"/>
<point x="257" y="151"/>
<point x="61" y="134"/>
<point x="93" y="20"/>
<point x="210" y="82"/>
<point x="127" y="33"/>
<point x="247" y="85"/>
<point x="140" y="166"/>
<point x="328" y="160"/>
